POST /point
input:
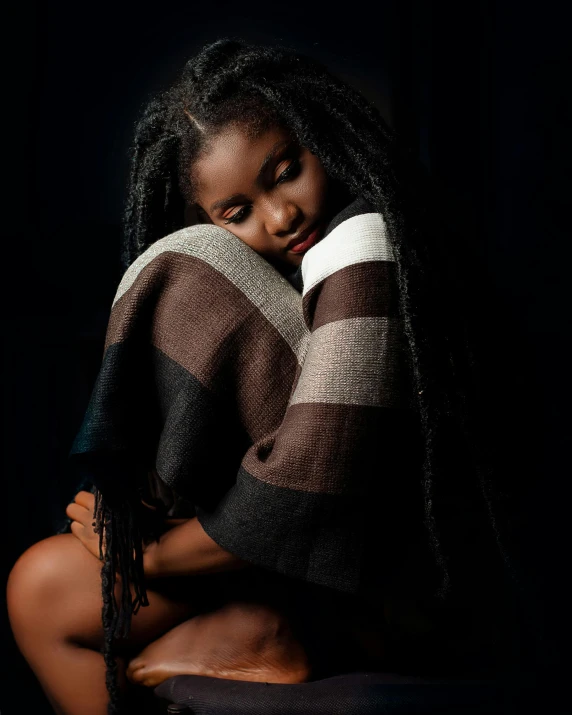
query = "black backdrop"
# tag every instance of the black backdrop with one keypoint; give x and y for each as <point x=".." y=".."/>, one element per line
<point x="479" y="89"/>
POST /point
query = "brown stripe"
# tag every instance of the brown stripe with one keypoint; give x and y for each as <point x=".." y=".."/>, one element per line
<point x="333" y="449"/>
<point x="208" y="326"/>
<point x="362" y="289"/>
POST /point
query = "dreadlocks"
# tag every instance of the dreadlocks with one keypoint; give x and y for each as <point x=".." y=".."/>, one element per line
<point x="256" y="87"/>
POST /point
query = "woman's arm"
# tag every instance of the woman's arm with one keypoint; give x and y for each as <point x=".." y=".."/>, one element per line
<point x="183" y="550"/>
<point x="186" y="550"/>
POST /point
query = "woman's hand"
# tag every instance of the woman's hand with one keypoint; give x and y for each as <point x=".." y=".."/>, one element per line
<point x="80" y="511"/>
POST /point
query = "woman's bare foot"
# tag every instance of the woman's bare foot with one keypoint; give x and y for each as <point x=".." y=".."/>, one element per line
<point x="240" y="641"/>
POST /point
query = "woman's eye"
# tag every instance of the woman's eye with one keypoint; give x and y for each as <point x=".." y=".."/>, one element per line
<point x="239" y="216"/>
<point x="289" y="172"/>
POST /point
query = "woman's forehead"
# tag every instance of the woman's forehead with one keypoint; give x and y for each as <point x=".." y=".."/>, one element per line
<point x="232" y="161"/>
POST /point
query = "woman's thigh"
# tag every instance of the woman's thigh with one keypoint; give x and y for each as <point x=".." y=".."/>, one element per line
<point x="54" y="593"/>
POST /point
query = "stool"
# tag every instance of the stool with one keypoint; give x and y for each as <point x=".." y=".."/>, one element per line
<point x="358" y="693"/>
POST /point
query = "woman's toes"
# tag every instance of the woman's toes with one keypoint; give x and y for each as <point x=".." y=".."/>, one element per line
<point x="149" y="676"/>
<point x="135" y="671"/>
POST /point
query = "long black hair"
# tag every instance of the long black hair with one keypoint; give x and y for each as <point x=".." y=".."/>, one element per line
<point x="256" y="87"/>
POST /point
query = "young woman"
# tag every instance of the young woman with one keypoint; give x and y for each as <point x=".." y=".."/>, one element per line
<point x="270" y="146"/>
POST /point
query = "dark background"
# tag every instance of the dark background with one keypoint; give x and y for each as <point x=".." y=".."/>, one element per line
<point x="480" y="90"/>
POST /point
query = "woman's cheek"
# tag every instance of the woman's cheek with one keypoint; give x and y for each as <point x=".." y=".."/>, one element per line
<point x="249" y="234"/>
<point x="318" y="182"/>
<point x="310" y="190"/>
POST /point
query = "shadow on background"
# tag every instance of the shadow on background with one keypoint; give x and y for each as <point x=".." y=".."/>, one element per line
<point x="478" y="90"/>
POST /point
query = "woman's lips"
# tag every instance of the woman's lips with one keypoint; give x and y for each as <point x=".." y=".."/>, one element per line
<point x="305" y="243"/>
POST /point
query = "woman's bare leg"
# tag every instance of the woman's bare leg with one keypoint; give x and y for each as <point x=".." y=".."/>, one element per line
<point x="54" y="604"/>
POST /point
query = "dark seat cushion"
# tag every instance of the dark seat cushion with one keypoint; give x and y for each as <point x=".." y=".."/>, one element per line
<point x="351" y="694"/>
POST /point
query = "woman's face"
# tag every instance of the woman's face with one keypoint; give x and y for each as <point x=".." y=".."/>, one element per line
<point x="267" y="190"/>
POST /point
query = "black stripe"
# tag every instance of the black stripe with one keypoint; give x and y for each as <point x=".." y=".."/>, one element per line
<point x="316" y="537"/>
<point x="148" y="412"/>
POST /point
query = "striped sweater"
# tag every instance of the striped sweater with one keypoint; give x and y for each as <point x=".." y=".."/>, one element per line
<point x="284" y="418"/>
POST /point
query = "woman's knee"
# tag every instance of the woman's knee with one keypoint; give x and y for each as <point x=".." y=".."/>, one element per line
<point x="46" y="577"/>
<point x="55" y="589"/>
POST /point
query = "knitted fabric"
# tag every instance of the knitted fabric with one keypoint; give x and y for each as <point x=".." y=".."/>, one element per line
<point x="284" y="418"/>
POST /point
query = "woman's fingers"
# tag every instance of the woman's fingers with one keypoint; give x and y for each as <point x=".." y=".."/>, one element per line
<point x="85" y="533"/>
<point x="86" y="499"/>
<point x="76" y="528"/>
<point x="77" y="512"/>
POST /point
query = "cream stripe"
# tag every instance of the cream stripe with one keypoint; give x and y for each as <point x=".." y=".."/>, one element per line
<point x="356" y="240"/>
<point x="261" y="283"/>
<point x="354" y="362"/>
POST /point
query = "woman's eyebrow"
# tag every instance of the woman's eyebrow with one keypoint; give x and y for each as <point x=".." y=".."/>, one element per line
<point x="240" y="198"/>
<point x="270" y="156"/>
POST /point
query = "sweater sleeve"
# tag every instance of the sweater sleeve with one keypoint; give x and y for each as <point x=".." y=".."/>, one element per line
<point x="302" y="501"/>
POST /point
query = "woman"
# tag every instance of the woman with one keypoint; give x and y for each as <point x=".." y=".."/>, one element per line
<point x="271" y="147"/>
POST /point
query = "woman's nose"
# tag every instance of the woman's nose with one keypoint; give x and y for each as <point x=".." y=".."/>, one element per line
<point x="283" y="218"/>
